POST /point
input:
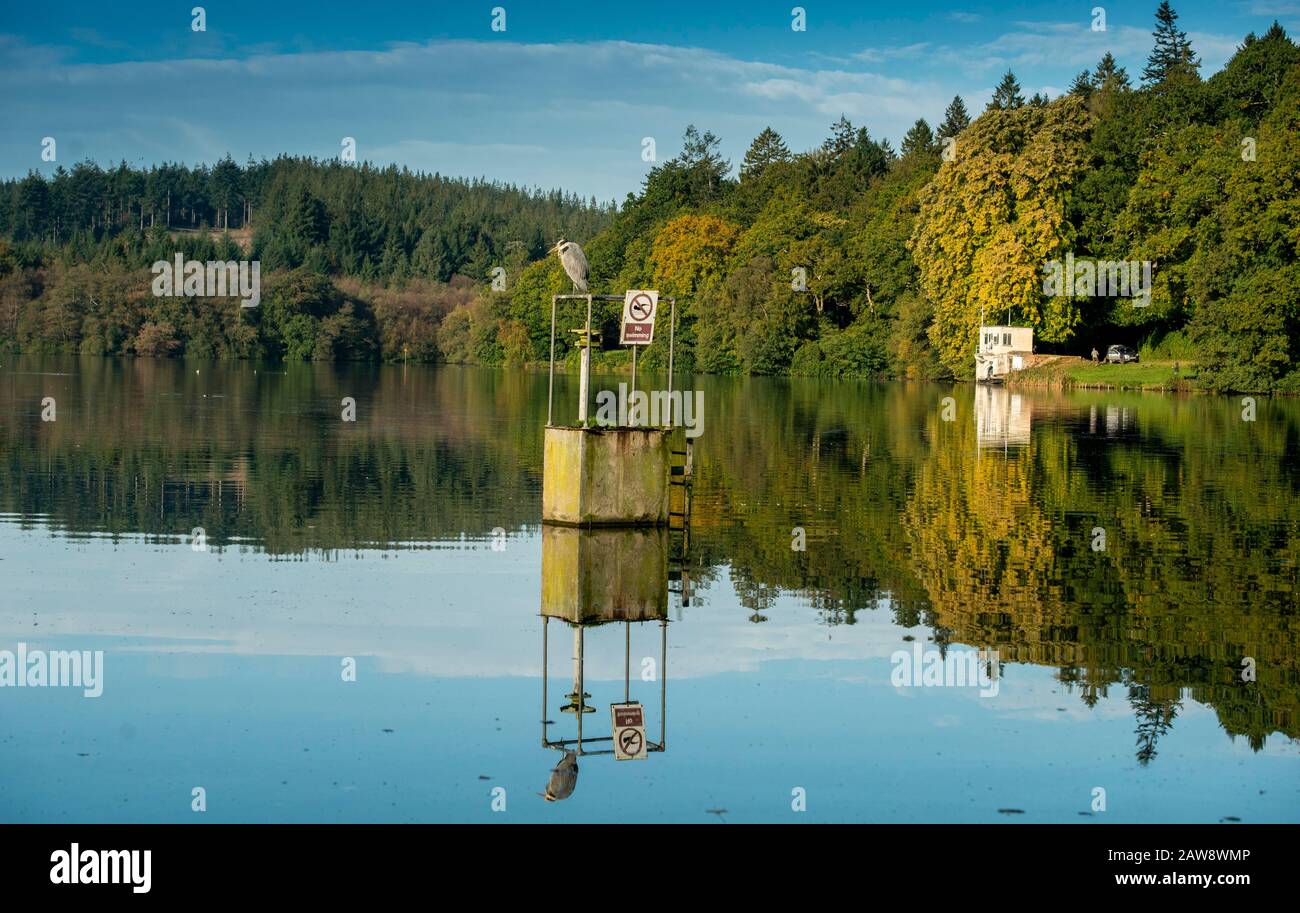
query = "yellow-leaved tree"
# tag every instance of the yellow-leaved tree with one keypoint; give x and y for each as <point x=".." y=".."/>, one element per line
<point x="992" y="218"/>
<point x="690" y="252"/>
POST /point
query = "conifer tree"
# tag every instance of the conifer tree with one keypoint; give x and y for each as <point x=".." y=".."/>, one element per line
<point x="766" y="149"/>
<point x="1082" y="85"/>
<point x="919" y="139"/>
<point x="1109" y="76"/>
<point x="1172" y="53"/>
<point x="1007" y="97"/>
<point x="955" y="118"/>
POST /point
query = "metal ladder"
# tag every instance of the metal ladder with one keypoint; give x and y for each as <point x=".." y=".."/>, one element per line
<point x="681" y="474"/>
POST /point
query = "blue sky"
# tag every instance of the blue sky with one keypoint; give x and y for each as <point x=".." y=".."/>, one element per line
<point x="564" y="97"/>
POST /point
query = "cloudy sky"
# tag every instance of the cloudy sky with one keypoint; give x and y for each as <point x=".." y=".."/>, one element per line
<point x="563" y="97"/>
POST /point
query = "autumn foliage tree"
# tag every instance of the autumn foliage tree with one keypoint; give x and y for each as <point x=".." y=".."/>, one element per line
<point x="992" y="217"/>
<point x="690" y="252"/>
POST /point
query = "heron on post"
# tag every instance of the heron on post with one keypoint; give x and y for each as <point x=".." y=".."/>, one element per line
<point x="574" y="262"/>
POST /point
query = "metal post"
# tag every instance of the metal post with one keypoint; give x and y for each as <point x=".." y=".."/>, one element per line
<point x="577" y="662"/>
<point x="544" y="656"/>
<point x="581" y="704"/>
<point x="550" y="386"/>
<point x="582" y="383"/>
<point x="627" y="660"/>
<point x="663" y="684"/>
<point x="632" y="396"/>
<point x="585" y="381"/>
<point x="672" y="342"/>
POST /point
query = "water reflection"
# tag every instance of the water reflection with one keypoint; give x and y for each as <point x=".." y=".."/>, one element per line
<point x="602" y="582"/>
<point x="905" y="514"/>
<point x="1002" y="417"/>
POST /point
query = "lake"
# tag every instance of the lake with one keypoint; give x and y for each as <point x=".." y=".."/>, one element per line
<point x="1129" y="564"/>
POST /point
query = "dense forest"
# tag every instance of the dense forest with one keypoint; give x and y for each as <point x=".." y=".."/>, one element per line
<point x="852" y="259"/>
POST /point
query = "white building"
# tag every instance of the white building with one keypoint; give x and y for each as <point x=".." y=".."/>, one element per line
<point x="1001" y="351"/>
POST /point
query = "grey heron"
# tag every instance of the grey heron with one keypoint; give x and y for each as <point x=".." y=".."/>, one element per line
<point x="564" y="778"/>
<point x="574" y="262"/>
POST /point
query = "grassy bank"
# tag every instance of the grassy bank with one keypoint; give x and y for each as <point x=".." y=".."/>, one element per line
<point x="1070" y="372"/>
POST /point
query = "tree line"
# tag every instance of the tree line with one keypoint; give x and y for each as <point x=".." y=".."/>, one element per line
<point x="378" y="224"/>
<point x="851" y="259"/>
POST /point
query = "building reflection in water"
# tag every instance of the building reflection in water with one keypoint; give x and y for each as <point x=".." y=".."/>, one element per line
<point x="1002" y="417"/>
<point x="1113" y="422"/>
<point x="601" y="581"/>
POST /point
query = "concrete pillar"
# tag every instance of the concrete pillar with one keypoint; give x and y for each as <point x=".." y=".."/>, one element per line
<point x="605" y="476"/>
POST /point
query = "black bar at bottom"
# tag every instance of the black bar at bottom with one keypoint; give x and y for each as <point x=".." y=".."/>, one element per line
<point x="219" y="862"/>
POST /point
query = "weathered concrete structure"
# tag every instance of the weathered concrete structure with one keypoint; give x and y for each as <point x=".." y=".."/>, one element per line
<point x="605" y="476"/>
<point x="595" y="576"/>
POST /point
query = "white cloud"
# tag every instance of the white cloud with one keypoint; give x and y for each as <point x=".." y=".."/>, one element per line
<point x="1274" y="8"/>
<point x="898" y="52"/>
<point x="550" y="115"/>
<point x="1033" y="46"/>
<point x="537" y="114"/>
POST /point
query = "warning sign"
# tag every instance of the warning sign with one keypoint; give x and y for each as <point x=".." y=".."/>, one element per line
<point x="639" y="306"/>
<point x="629" y="732"/>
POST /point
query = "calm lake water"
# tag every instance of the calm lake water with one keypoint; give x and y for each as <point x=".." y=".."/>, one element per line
<point x="1127" y="556"/>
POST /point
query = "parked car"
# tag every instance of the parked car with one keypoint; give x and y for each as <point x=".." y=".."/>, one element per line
<point x="1119" y="355"/>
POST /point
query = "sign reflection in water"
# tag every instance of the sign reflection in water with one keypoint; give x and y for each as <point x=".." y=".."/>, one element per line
<point x="598" y="580"/>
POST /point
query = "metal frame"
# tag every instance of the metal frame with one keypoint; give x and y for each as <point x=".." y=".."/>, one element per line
<point x="580" y="741"/>
<point x="550" y="386"/>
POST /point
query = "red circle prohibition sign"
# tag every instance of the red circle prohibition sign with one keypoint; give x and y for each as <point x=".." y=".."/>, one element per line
<point x="641" y="307"/>
<point x="630" y="740"/>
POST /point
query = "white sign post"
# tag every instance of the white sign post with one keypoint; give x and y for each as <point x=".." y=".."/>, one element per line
<point x="629" y="731"/>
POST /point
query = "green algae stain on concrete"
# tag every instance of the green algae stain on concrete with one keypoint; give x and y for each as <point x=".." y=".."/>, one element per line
<point x="592" y="576"/>
<point x="605" y="476"/>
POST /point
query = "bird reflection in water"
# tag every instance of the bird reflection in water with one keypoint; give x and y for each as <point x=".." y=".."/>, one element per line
<point x="564" y="778"/>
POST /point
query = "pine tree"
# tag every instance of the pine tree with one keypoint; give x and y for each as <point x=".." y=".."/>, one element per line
<point x="1172" y="53"/>
<point x="767" y="149"/>
<point x="955" y="119"/>
<point x="703" y="164"/>
<point x="1006" y="96"/>
<point x="224" y="189"/>
<point x="1109" y="76"/>
<point x="1082" y="85"/>
<point x="867" y="157"/>
<point x="841" y="139"/>
<point x="308" y="219"/>
<point x="919" y="139"/>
